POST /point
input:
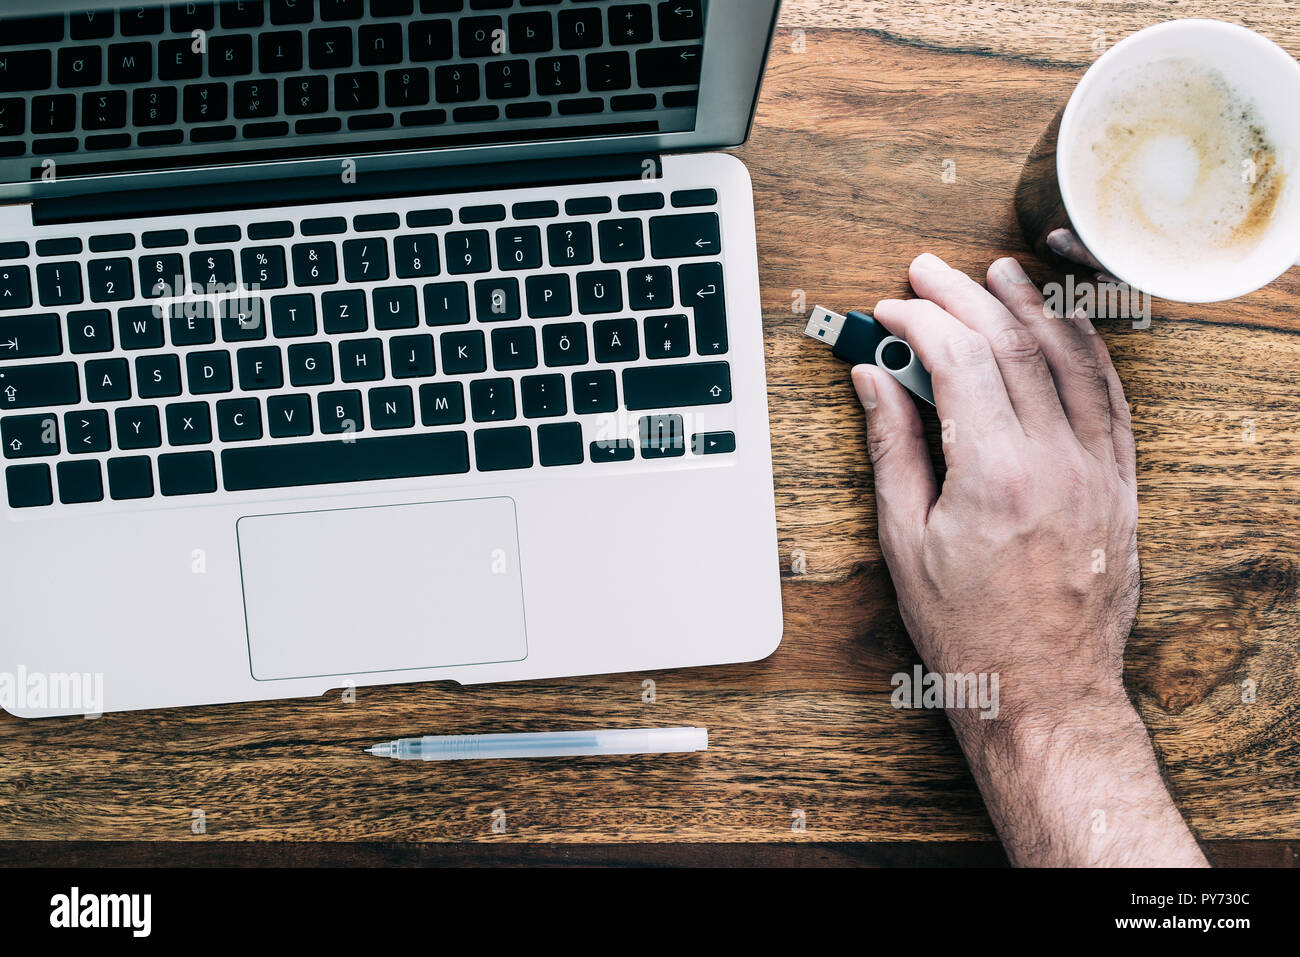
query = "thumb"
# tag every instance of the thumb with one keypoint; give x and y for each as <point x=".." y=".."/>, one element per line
<point x="905" y="483"/>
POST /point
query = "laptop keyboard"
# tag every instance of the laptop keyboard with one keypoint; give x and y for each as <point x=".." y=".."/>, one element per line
<point x="426" y="339"/>
<point x="285" y="70"/>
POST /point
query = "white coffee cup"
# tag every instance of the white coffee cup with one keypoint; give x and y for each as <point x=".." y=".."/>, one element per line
<point x="1260" y="72"/>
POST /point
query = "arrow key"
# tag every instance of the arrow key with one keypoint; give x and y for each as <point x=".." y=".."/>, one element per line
<point x="27" y="436"/>
<point x="86" y="431"/>
<point x="713" y="443"/>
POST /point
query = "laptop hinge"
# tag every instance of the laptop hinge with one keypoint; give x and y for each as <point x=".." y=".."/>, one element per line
<point x="372" y="184"/>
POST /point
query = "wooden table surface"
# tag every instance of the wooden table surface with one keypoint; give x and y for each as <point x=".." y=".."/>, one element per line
<point x="864" y="108"/>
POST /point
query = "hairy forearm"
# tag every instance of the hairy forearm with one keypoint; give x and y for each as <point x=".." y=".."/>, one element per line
<point x="1076" y="786"/>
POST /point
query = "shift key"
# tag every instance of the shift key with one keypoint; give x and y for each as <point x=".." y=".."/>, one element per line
<point x="27" y="387"/>
<point x="675" y="386"/>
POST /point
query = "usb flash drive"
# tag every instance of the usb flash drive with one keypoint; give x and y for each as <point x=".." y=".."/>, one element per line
<point x="858" y="338"/>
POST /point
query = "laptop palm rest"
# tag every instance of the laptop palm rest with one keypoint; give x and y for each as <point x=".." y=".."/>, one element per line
<point x="352" y="591"/>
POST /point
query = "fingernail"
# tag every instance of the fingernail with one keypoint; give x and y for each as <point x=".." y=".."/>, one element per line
<point x="1058" y="241"/>
<point x="928" y="261"/>
<point x="865" y="386"/>
<point x="1013" y="271"/>
<point x="1107" y="278"/>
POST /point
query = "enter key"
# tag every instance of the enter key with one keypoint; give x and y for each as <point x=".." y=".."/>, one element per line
<point x="701" y="288"/>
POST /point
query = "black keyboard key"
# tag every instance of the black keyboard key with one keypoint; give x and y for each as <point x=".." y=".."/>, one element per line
<point x="422" y="218"/>
<point x="442" y="403"/>
<point x="492" y="400"/>
<point x="187" y="473"/>
<point x="468" y="252"/>
<point x="559" y="76"/>
<point x="345" y="311"/>
<point x="500" y="449"/>
<point x="177" y="60"/>
<point x="32" y="386"/>
<point x="30" y="436"/>
<point x="463" y="353"/>
<point x="162" y="276"/>
<point x="612" y="450"/>
<point x="496" y="300"/>
<point x="110" y="280"/>
<point x="104" y="110"/>
<point x="508" y="79"/>
<point x="569" y="244"/>
<point x="691" y="234"/>
<point x="650" y="288"/>
<point x="456" y="84"/>
<point x="29" y="485"/>
<point x="379" y="43"/>
<point x="186" y="17"/>
<point x="681" y="20"/>
<point x="263" y="267"/>
<point x="259" y="368"/>
<point x="59" y="284"/>
<point x="188" y="423"/>
<point x="580" y="29"/>
<point x="607" y="72"/>
<point x="139" y="327"/>
<point x="559" y="443"/>
<point x="481" y="36"/>
<point x="702" y="289"/>
<point x="667" y="337"/>
<point x="279" y="52"/>
<point x="621" y="240"/>
<point x="230" y="55"/>
<point x="158" y="376"/>
<point x="141" y="21"/>
<point x="108" y="380"/>
<point x="395" y="307"/>
<point x="543" y="395"/>
<point x="600" y="292"/>
<point x="54" y="114"/>
<point x="80" y="482"/>
<point x="239" y="420"/>
<point x="411" y="356"/>
<point x="694" y="197"/>
<point x="315" y="264"/>
<point x="15" y="287"/>
<point x="514" y="347"/>
<point x="668" y="66"/>
<point x="289" y="416"/>
<point x="207" y="373"/>
<point x="137" y="428"/>
<point x="291" y="11"/>
<point x="29" y="31"/>
<point x="662" y="436"/>
<point x="130" y="478"/>
<point x="323" y="463"/>
<point x="365" y="260"/>
<point x="565" y="344"/>
<point x="86" y="431"/>
<point x="14" y="250"/>
<point x="670" y="386"/>
<point x="416" y="255"/>
<point x="391" y="408"/>
<point x="24" y="70"/>
<point x="80" y="66"/>
<point x="446" y="303"/>
<point x="311" y="363"/>
<point x="255" y="99"/>
<point x="340" y="412"/>
<point x="27" y="337"/>
<point x="293" y="316"/>
<point x="376" y="222"/>
<point x="205" y="103"/>
<point x="492" y="213"/>
<point x="595" y="391"/>
<point x="548" y="296"/>
<point x="616" y="340"/>
<point x="630" y="24"/>
<point x="212" y="271"/>
<point x="361" y="360"/>
<point x="430" y="40"/>
<point x="519" y="247"/>
<point x="92" y="25"/>
<point x="193" y="326"/>
<point x="13" y="117"/>
<point x="356" y="91"/>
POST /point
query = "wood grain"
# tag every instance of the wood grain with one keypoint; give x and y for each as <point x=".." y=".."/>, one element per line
<point x="861" y="114"/>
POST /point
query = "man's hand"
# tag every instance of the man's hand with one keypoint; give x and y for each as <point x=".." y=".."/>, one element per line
<point x="1025" y="565"/>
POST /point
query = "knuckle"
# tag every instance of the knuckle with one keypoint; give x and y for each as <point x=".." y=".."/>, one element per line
<point x="967" y="348"/>
<point x="1083" y="362"/>
<point x="1016" y="343"/>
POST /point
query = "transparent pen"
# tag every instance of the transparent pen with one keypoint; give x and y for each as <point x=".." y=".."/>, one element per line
<point x="546" y="744"/>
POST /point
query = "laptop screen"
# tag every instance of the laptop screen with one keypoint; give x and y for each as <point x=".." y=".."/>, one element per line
<point x="93" y="90"/>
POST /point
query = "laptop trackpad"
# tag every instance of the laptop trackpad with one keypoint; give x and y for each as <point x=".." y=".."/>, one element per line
<point x="359" y="590"/>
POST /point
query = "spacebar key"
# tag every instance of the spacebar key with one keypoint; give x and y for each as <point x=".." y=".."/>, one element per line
<point x="666" y="387"/>
<point x="328" y="463"/>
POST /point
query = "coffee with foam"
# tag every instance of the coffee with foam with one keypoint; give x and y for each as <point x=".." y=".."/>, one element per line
<point x="1177" y="169"/>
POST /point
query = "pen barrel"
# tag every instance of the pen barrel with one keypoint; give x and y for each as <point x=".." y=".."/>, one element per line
<point x="463" y="747"/>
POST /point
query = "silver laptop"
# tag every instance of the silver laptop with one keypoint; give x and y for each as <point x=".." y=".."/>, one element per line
<point x="356" y="342"/>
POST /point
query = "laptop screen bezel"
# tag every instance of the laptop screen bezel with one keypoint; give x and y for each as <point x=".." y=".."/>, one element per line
<point x="737" y="37"/>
